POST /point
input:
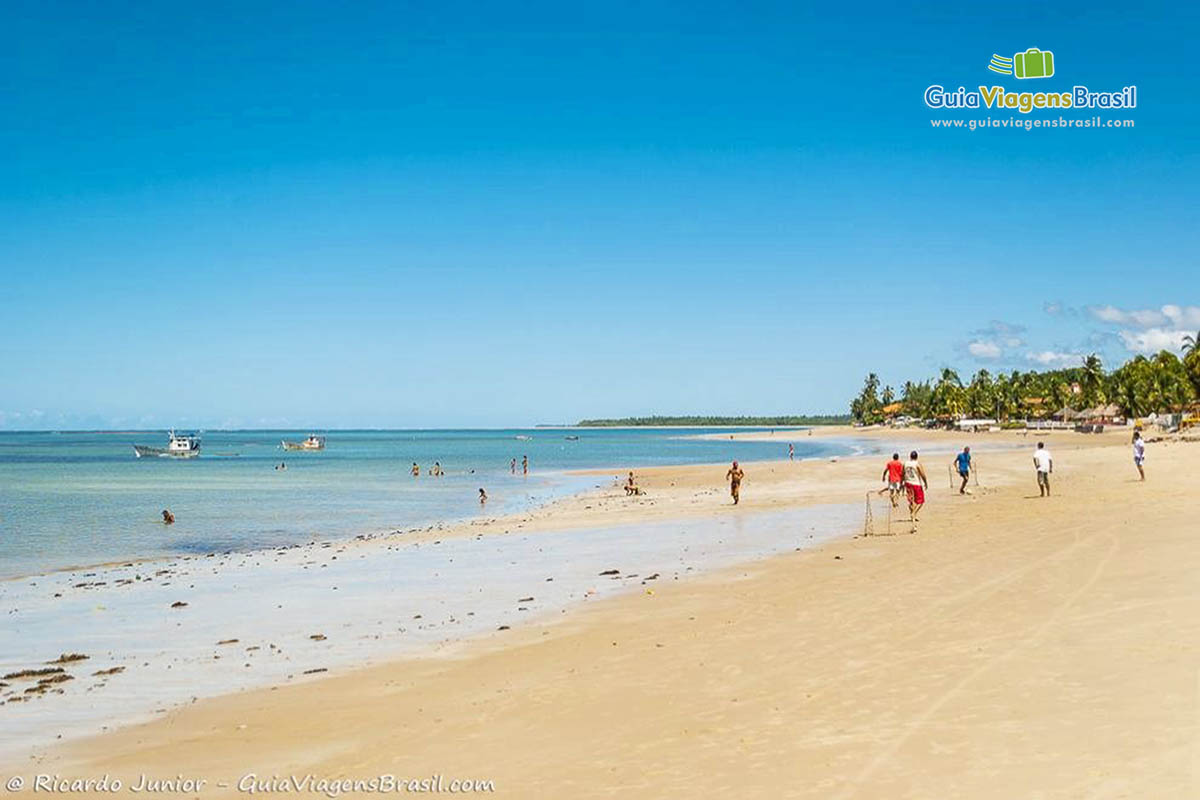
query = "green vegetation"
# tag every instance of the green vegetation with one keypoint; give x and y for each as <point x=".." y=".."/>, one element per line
<point x="1162" y="383"/>
<point x="707" y="422"/>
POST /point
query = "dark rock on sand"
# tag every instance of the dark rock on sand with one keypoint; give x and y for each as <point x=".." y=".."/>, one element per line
<point x="33" y="673"/>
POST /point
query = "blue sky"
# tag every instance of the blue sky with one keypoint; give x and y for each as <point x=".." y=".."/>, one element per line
<point x="413" y="215"/>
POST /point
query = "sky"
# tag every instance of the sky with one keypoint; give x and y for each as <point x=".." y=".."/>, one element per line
<point x="459" y="215"/>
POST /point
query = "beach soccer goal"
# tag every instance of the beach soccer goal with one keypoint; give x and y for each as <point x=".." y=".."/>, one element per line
<point x="877" y="524"/>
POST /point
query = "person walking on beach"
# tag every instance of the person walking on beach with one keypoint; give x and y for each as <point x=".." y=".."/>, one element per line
<point x="524" y="465"/>
<point x="963" y="463"/>
<point x="893" y="478"/>
<point x="1139" y="453"/>
<point x="1044" y="465"/>
<point x="791" y="452"/>
<point x="734" y="476"/>
<point x="915" y="484"/>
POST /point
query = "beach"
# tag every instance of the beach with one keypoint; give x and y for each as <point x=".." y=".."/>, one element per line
<point x="1014" y="646"/>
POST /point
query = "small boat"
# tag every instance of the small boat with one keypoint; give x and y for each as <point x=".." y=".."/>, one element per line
<point x="523" y="438"/>
<point x="313" y="442"/>
<point x="571" y="438"/>
<point x="179" y="445"/>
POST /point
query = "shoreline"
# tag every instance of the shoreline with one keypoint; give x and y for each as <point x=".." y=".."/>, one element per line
<point x="677" y="495"/>
<point x="682" y="497"/>
<point x="560" y="490"/>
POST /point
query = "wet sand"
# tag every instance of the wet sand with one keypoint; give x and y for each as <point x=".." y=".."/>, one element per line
<point x="1014" y="647"/>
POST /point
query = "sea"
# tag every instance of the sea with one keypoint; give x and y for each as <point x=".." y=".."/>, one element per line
<point x="72" y="499"/>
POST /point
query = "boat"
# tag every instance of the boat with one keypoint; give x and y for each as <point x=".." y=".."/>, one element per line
<point x="313" y="442"/>
<point x="179" y="445"/>
<point x="571" y="438"/>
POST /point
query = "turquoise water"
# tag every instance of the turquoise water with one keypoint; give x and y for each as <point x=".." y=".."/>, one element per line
<point x="83" y="498"/>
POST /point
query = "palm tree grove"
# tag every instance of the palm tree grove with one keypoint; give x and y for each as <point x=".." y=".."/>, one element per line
<point x="1163" y="383"/>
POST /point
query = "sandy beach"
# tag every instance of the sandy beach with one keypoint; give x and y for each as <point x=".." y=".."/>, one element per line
<point x="1013" y="647"/>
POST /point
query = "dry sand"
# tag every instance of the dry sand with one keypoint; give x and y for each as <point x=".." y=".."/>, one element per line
<point x="1014" y="647"/>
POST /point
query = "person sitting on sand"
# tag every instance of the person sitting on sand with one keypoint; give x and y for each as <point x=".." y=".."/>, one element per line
<point x="168" y="517"/>
<point x="1139" y="453"/>
<point x="631" y="487"/>
<point x="482" y="496"/>
<point x="915" y="484"/>
<point x="962" y="462"/>
<point x="734" y="476"/>
<point x="1044" y="465"/>
<point x="893" y="476"/>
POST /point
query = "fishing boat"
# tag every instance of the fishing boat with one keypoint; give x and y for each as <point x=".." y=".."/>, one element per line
<point x="179" y="445"/>
<point x="313" y="442"/>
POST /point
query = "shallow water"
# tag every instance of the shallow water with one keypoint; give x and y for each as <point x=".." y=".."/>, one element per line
<point x="369" y="600"/>
<point x="83" y="498"/>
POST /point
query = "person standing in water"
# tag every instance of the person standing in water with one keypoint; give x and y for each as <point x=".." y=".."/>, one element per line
<point x="791" y="452"/>
<point x="168" y="517"/>
<point x="513" y="467"/>
<point x="1139" y="453"/>
<point x="524" y="465"/>
<point x="416" y="470"/>
<point x="482" y="496"/>
<point x="962" y="463"/>
<point x="734" y="476"/>
<point x="915" y="484"/>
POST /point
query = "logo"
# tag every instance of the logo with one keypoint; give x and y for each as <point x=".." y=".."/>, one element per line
<point x="1026" y="65"/>
<point x="1033" y="63"/>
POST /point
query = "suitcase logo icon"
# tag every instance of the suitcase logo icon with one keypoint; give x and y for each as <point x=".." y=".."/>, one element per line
<point x="1033" y="63"/>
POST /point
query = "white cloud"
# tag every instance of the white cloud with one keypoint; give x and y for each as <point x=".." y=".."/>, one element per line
<point x="1151" y="341"/>
<point x="984" y="349"/>
<point x="1054" y="358"/>
<point x="1167" y="316"/>
<point x="1149" y="330"/>
<point x="1183" y="316"/>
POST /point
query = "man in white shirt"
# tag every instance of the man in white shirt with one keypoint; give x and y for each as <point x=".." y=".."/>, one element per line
<point x="1139" y="453"/>
<point x="1044" y="465"/>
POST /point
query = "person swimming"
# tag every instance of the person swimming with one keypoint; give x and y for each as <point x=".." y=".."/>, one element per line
<point x="168" y="517"/>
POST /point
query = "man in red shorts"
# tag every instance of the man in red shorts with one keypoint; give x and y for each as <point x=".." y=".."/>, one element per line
<point x="915" y="484"/>
<point x="893" y="476"/>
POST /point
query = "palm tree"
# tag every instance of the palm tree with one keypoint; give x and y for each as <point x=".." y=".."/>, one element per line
<point x="1191" y="344"/>
<point x="1091" y="380"/>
